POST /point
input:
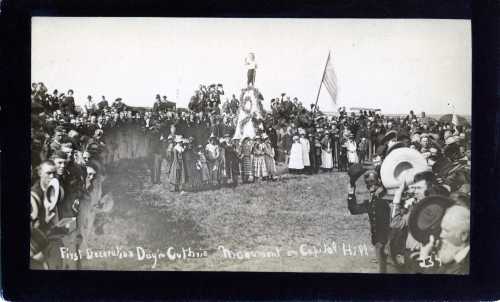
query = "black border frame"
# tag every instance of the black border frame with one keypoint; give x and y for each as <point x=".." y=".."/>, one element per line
<point x="18" y="282"/>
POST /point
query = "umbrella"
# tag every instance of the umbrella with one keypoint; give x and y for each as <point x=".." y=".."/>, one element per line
<point x="450" y="118"/>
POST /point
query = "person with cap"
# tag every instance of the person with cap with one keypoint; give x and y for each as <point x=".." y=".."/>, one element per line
<point x="118" y="105"/>
<point x="259" y="162"/>
<point x="213" y="152"/>
<point x="296" y="161"/>
<point x="377" y="208"/>
<point x="176" y="175"/>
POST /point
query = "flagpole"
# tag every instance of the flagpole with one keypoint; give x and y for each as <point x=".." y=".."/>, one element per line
<point x="320" y="84"/>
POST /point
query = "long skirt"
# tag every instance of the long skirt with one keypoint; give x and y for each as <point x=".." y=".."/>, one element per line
<point x="260" y="166"/>
<point x="270" y="165"/>
<point x="326" y="160"/>
<point x="296" y="160"/>
<point x="246" y="166"/>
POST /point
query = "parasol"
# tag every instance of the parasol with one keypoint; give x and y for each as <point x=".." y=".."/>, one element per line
<point x="454" y="118"/>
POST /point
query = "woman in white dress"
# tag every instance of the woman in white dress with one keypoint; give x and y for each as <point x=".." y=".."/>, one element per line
<point x="351" y="146"/>
<point x="306" y="148"/>
<point x="326" y="152"/>
<point x="296" y="162"/>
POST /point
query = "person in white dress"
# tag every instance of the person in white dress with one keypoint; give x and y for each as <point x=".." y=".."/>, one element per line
<point x="306" y="147"/>
<point x="296" y="163"/>
<point x="351" y="146"/>
<point x="326" y="152"/>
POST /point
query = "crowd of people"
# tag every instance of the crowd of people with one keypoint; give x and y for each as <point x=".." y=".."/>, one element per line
<point x="442" y="180"/>
<point x="196" y="148"/>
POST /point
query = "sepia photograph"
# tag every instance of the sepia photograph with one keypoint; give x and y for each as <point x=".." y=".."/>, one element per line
<point x="251" y="145"/>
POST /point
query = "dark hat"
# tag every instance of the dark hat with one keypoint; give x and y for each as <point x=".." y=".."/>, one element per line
<point x="425" y="218"/>
<point x="394" y="147"/>
<point x="452" y="151"/>
<point x="60" y="129"/>
<point x="118" y="99"/>
<point x="388" y="136"/>
<point x="355" y="171"/>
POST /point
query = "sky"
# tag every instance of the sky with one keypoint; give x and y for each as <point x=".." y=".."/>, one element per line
<point x="395" y="65"/>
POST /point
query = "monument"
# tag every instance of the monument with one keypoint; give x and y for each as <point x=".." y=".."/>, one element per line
<point x="250" y="111"/>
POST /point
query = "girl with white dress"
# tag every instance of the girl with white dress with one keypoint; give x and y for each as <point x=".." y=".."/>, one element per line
<point x="296" y="162"/>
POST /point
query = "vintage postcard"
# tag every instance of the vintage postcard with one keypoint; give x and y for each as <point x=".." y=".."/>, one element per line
<point x="269" y="145"/>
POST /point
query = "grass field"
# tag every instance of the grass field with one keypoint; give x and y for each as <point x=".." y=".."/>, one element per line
<point x="297" y="224"/>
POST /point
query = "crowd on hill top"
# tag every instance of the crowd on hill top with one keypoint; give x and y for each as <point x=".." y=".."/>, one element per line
<point x="195" y="148"/>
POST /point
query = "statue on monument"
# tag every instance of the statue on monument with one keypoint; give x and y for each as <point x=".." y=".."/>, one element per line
<point x="250" y="111"/>
<point x="251" y="66"/>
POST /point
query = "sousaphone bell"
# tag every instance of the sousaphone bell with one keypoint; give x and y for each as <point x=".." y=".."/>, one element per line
<point x="401" y="164"/>
<point x="53" y="194"/>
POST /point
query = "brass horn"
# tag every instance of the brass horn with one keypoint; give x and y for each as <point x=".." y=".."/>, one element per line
<point x="400" y="164"/>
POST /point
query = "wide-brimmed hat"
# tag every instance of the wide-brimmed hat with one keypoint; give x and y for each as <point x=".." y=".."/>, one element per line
<point x="425" y="218"/>
<point x="178" y="139"/>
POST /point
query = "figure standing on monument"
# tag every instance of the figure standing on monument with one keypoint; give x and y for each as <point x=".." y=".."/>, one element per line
<point x="251" y="66"/>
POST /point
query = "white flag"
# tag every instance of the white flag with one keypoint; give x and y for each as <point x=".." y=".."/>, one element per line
<point x="330" y="80"/>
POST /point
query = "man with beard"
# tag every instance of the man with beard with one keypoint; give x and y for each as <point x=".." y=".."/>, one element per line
<point x="453" y="244"/>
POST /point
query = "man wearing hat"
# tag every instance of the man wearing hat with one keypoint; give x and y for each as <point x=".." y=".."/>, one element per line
<point x="118" y="106"/>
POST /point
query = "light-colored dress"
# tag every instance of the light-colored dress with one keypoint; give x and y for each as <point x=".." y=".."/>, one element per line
<point x="259" y="162"/>
<point x="296" y="158"/>
<point x="326" y="154"/>
<point x="352" y="154"/>
<point x="306" y="147"/>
